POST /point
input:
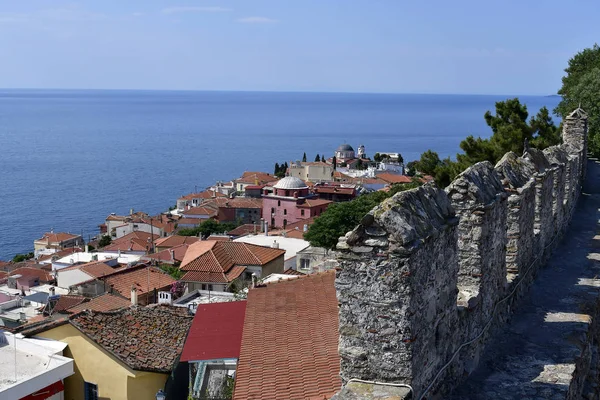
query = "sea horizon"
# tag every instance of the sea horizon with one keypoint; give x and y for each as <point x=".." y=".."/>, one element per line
<point x="70" y="157"/>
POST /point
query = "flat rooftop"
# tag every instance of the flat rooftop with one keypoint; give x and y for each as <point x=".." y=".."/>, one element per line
<point x="290" y="245"/>
<point x="34" y="358"/>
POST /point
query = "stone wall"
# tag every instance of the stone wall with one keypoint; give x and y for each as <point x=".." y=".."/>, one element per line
<point x="429" y="274"/>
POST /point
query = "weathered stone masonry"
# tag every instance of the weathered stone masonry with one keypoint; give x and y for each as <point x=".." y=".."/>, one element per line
<point x="428" y="270"/>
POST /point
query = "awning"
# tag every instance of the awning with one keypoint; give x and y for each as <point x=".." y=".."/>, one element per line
<point x="46" y="392"/>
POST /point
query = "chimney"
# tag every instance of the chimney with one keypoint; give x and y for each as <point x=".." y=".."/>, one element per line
<point x="262" y="224"/>
<point x="266" y="228"/>
<point x="254" y="223"/>
<point x="134" y="296"/>
<point x="172" y="255"/>
<point x="214" y="193"/>
<point x="87" y="248"/>
<point x="254" y="279"/>
<point x="119" y="253"/>
<point x="275" y="245"/>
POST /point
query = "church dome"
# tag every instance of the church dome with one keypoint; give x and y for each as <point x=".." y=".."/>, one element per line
<point x="345" y="147"/>
<point x="290" y="182"/>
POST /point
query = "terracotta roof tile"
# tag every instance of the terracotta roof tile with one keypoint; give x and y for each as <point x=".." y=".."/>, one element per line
<point x="208" y="277"/>
<point x="256" y="178"/>
<point x="243" y="230"/>
<point x="134" y="241"/>
<point x="290" y="271"/>
<point x="175" y="240"/>
<point x="216" y="332"/>
<point x="201" y="210"/>
<point x="207" y="194"/>
<point x="276" y="365"/>
<point x="43" y="276"/>
<point x="166" y="256"/>
<point x="394" y="178"/>
<point x="235" y="272"/>
<point x="104" y="302"/>
<point x="57" y="237"/>
<point x="310" y="203"/>
<point x="144" y="338"/>
<point x="67" y="301"/>
<point x="142" y="277"/>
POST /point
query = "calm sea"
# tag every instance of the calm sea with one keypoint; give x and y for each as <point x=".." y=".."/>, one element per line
<point x="69" y="158"/>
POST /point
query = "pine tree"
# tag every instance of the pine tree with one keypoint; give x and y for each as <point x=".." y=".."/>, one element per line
<point x="276" y="169"/>
<point x="304" y="158"/>
<point x="317" y="158"/>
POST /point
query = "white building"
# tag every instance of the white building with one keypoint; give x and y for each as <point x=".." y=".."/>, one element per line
<point x="290" y="245"/>
<point x="312" y="171"/>
<point x="32" y="367"/>
<point x="82" y="257"/>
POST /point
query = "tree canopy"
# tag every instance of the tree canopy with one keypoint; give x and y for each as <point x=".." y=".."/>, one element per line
<point x="207" y="228"/>
<point x="340" y="218"/>
<point x="510" y="130"/>
<point x="581" y="87"/>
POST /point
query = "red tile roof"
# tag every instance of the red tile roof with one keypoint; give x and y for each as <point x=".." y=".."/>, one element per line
<point x="142" y="277"/>
<point x="57" y="237"/>
<point x="207" y="194"/>
<point x="134" y="241"/>
<point x="216" y="332"/>
<point x="43" y="276"/>
<point x="236" y="202"/>
<point x="256" y="178"/>
<point x="67" y="301"/>
<point x="201" y="210"/>
<point x="243" y="230"/>
<point x="165" y="255"/>
<point x="275" y="364"/>
<point x="215" y="259"/>
<point x="394" y="178"/>
<point x="293" y="272"/>
<point x="335" y="190"/>
<point x="104" y="302"/>
<point x="143" y="338"/>
<point x="95" y="269"/>
<point x="175" y="240"/>
<point x="310" y="203"/>
<point x="190" y="221"/>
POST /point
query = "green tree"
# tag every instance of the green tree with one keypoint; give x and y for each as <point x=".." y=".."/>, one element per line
<point x="208" y="227"/>
<point x="22" y="257"/>
<point x="276" y="169"/>
<point x="340" y="218"/>
<point x="317" y="158"/>
<point x="411" y="168"/>
<point x="377" y="157"/>
<point x="581" y="87"/>
<point x="172" y="270"/>
<point x="304" y="157"/>
<point x="104" y="241"/>
<point x="334" y="162"/>
<point x="429" y="162"/>
<point x="323" y="158"/>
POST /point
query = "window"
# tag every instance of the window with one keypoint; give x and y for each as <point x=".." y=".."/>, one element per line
<point x="204" y="286"/>
<point x="302" y="212"/>
<point x="278" y="203"/>
<point x="90" y="391"/>
<point x="284" y="211"/>
<point x="210" y="287"/>
<point x="304" y="264"/>
<point x="272" y="210"/>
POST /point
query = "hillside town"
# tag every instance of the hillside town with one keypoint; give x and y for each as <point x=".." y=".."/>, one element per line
<point x="205" y="300"/>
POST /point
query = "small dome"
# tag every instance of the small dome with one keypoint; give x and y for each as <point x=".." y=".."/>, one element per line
<point x="290" y="182"/>
<point x="345" y="147"/>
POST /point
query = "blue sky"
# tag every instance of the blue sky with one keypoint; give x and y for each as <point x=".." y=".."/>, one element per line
<point x="436" y="46"/>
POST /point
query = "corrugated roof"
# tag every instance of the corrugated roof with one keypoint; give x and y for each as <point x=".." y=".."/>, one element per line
<point x="275" y="364"/>
<point x="216" y="332"/>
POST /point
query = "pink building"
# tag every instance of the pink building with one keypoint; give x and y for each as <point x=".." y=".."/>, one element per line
<point x="290" y="202"/>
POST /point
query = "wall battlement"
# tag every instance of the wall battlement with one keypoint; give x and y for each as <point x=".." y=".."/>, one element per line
<point x="429" y="270"/>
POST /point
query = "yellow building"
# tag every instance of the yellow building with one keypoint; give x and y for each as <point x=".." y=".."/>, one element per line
<point x="120" y="355"/>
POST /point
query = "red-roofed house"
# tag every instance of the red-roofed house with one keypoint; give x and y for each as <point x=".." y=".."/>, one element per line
<point x="215" y="265"/>
<point x="213" y="345"/>
<point x="70" y="276"/>
<point x="195" y="199"/>
<point x="335" y="192"/>
<point x="394" y="178"/>
<point x="250" y="178"/>
<point x="56" y="241"/>
<point x="138" y="242"/>
<point x="172" y="241"/>
<point x="171" y="255"/>
<point x="274" y="364"/>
